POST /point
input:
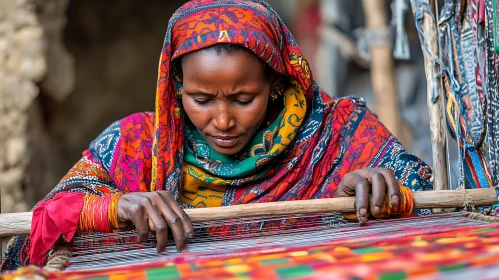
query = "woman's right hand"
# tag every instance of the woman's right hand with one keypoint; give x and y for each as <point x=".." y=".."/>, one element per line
<point x="155" y="211"/>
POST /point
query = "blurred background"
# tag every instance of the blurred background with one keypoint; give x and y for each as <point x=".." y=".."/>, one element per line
<point x="68" y="69"/>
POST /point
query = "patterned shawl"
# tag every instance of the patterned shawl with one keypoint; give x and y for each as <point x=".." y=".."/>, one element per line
<point x="302" y="155"/>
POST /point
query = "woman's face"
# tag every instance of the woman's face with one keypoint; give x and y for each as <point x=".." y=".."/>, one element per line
<point x="225" y="96"/>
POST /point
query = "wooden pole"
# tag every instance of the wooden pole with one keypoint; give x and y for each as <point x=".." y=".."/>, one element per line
<point x="435" y="109"/>
<point x="19" y="223"/>
<point x="347" y="46"/>
<point x="1" y="239"/>
<point x="383" y="74"/>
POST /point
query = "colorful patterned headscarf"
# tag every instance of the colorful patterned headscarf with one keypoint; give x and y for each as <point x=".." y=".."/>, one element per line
<point x="200" y="24"/>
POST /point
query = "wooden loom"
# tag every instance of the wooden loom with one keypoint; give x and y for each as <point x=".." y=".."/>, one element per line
<point x="13" y="224"/>
<point x="267" y="233"/>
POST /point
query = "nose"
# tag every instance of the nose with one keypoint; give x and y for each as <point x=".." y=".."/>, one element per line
<point x="224" y="119"/>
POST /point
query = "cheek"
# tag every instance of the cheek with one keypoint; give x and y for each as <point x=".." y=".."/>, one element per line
<point x="197" y="115"/>
<point x="252" y="116"/>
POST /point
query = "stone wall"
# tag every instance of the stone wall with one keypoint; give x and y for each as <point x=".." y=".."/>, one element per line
<point x="29" y="36"/>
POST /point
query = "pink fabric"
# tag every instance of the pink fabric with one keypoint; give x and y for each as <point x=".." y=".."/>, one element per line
<point x="481" y="11"/>
<point x="51" y="219"/>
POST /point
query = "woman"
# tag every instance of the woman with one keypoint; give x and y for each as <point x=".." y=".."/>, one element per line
<point x="239" y="119"/>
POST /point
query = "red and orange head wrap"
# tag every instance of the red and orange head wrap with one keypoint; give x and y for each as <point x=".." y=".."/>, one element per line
<point x="200" y="24"/>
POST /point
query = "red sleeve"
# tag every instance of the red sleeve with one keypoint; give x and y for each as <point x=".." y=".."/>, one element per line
<point x="51" y="219"/>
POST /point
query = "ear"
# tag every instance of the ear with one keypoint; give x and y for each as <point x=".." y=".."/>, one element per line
<point x="277" y="80"/>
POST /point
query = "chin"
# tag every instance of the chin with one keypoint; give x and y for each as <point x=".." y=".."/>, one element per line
<point x="227" y="151"/>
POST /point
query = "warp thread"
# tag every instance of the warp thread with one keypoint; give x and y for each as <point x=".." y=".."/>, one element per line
<point x="482" y="217"/>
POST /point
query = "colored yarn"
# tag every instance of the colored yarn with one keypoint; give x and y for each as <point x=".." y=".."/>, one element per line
<point x="403" y="209"/>
<point x="94" y="215"/>
<point x="437" y="246"/>
<point x="113" y="211"/>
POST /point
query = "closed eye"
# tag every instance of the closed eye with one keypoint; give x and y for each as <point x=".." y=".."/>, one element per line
<point x="201" y="101"/>
<point x="244" y="102"/>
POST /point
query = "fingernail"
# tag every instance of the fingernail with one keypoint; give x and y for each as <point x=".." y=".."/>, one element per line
<point x="377" y="210"/>
<point x="362" y="211"/>
<point x="189" y="234"/>
<point x="395" y="199"/>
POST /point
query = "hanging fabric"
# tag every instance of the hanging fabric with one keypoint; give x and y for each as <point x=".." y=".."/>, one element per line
<point x="470" y="85"/>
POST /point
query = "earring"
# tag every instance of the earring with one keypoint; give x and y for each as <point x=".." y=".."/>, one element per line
<point x="178" y="93"/>
<point x="278" y="91"/>
<point x="177" y="75"/>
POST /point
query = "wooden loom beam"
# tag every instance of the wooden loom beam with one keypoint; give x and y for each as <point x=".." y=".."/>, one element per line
<point x="435" y="109"/>
<point x="19" y="223"/>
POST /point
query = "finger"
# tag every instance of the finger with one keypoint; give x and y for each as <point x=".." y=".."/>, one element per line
<point x="126" y="209"/>
<point x="362" y="187"/>
<point x="160" y="225"/>
<point x="393" y="187"/>
<point x="378" y="191"/>
<point x="140" y="221"/>
<point x="184" y="218"/>
<point x="151" y="225"/>
<point x="172" y="219"/>
<point x="347" y="185"/>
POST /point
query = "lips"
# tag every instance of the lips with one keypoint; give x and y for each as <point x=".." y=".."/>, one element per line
<point x="225" y="141"/>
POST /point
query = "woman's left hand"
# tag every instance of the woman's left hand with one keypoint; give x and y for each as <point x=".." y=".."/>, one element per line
<point x="359" y="183"/>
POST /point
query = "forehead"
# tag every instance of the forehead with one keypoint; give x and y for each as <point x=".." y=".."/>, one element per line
<point x="210" y="65"/>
